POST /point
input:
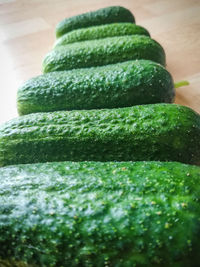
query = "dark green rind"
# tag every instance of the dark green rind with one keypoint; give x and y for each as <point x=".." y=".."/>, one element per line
<point x="103" y="52"/>
<point x="164" y="132"/>
<point x="119" y="85"/>
<point x="102" y="31"/>
<point x="112" y="14"/>
<point x="101" y="214"/>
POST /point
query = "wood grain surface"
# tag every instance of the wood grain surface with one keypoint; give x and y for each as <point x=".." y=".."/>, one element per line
<point x="27" y="33"/>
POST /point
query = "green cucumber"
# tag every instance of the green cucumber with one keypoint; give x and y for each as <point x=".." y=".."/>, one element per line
<point x="112" y="14"/>
<point x="102" y="31"/>
<point x="165" y="132"/>
<point x="119" y="85"/>
<point x="100" y="214"/>
<point x="102" y="52"/>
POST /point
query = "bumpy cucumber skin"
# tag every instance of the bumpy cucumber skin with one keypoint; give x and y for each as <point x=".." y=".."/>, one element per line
<point x="101" y="214"/>
<point x="165" y="132"/>
<point x="119" y="85"/>
<point x="102" y="31"/>
<point x="103" y="52"/>
<point x="101" y="16"/>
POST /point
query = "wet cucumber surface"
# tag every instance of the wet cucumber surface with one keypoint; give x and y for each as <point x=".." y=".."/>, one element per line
<point x="105" y="51"/>
<point x="100" y="214"/>
<point x="165" y="132"/>
<point x="101" y="16"/>
<point x="120" y="214"/>
<point x="102" y="31"/>
<point x="118" y="85"/>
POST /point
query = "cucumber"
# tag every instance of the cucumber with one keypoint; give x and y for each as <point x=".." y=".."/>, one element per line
<point x="165" y="132"/>
<point x="100" y="214"/>
<point x="102" y="31"/>
<point x="101" y="16"/>
<point x="105" y="51"/>
<point x="119" y="85"/>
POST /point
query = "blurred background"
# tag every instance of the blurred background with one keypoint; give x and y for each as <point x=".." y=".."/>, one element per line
<point x="27" y="33"/>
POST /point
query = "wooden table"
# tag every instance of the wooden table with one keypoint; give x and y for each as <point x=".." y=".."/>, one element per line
<point x="27" y="34"/>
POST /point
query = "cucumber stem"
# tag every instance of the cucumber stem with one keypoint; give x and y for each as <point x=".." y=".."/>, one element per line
<point x="181" y="83"/>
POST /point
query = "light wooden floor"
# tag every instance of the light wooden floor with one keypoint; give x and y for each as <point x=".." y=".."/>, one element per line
<point x="27" y="34"/>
